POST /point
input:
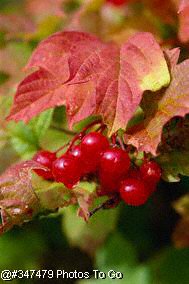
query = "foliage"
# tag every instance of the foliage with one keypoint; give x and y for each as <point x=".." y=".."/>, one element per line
<point x="127" y="66"/>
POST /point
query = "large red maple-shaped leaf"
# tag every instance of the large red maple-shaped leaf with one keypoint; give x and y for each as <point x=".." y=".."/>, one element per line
<point x="160" y="108"/>
<point x="91" y="77"/>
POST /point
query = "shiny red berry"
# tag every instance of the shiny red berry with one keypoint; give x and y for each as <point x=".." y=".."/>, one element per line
<point x="115" y="161"/>
<point x="117" y="2"/>
<point x="134" y="173"/>
<point x="133" y="192"/>
<point x="109" y="184"/>
<point x="114" y="166"/>
<point x="150" y="172"/>
<point x="45" y="158"/>
<point x="66" y="169"/>
<point x="76" y="152"/>
<point x="92" y="145"/>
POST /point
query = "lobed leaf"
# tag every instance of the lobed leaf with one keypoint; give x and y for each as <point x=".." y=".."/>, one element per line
<point x="160" y="108"/>
<point x="91" y="77"/>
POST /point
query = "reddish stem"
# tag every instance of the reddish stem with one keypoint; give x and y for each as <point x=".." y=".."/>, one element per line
<point x="80" y="135"/>
<point x="99" y="121"/>
<point x="121" y="143"/>
<point x="108" y="204"/>
<point x="61" y="148"/>
<point x="113" y="138"/>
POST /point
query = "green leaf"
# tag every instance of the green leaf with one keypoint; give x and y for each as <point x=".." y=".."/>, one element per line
<point x="52" y="195"/>
<point x="41" y="123"/>
<point x="96" y="230"/>
<point x="124" y="253"/>
<point x="141" y="275"/>
<point x="13" y="245"/>
<point x="119" y="255"/>
<point x="54" y="139"/>
<point x="23" y="139"/>
<point x="26" y="138"/>
<point x="174" y="164"/>
<point x="172" y="267"/>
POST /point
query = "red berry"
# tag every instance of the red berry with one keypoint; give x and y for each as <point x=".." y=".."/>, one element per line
<point x="108" y="184"/>
<point x="150" y="172"/>
<point x="151" y="187"/>
<point x="134" y="173"/>
<point x="45" y="159"/>
<point x="101" y="191"/>
<point x="115" y="161"/>
<point x="66" y="169"/>
<point x="133" y="192"/>
<point x="76" y="152"/>
<point x="92" y="145"/>
<point x="117" y="2"/>
<point x="114" y="166"/>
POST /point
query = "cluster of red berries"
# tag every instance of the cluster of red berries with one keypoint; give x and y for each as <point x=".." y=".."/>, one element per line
<point x="112" y="166"/>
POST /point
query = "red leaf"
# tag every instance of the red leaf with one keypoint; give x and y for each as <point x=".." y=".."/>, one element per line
<point x="18" y="201"/>
<point x="85" y="200"/>
<point x="172" y="56"/>
<point x="91" y="77"/>
<point x="53" y="53"/>
<point x="184" y="21"/>
<point x="160" y="109"/>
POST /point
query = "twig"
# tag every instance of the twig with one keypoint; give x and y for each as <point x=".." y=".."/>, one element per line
<point x="66" y="131"/>
<point x="110" y="203"/>
<point x="121" y="143"/>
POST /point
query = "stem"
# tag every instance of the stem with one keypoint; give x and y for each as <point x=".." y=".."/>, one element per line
<point x="66" y="131"/>
<point x="101" y="128"/>
<point x="99" y="121"/>
<point x="61" y="148"/>
<point x="121" y="143"/>
<point x="80" y="135"/>
<point x="113" y="138"/>
<point x="77" y="137"/>
<point x="110" y="203"/>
